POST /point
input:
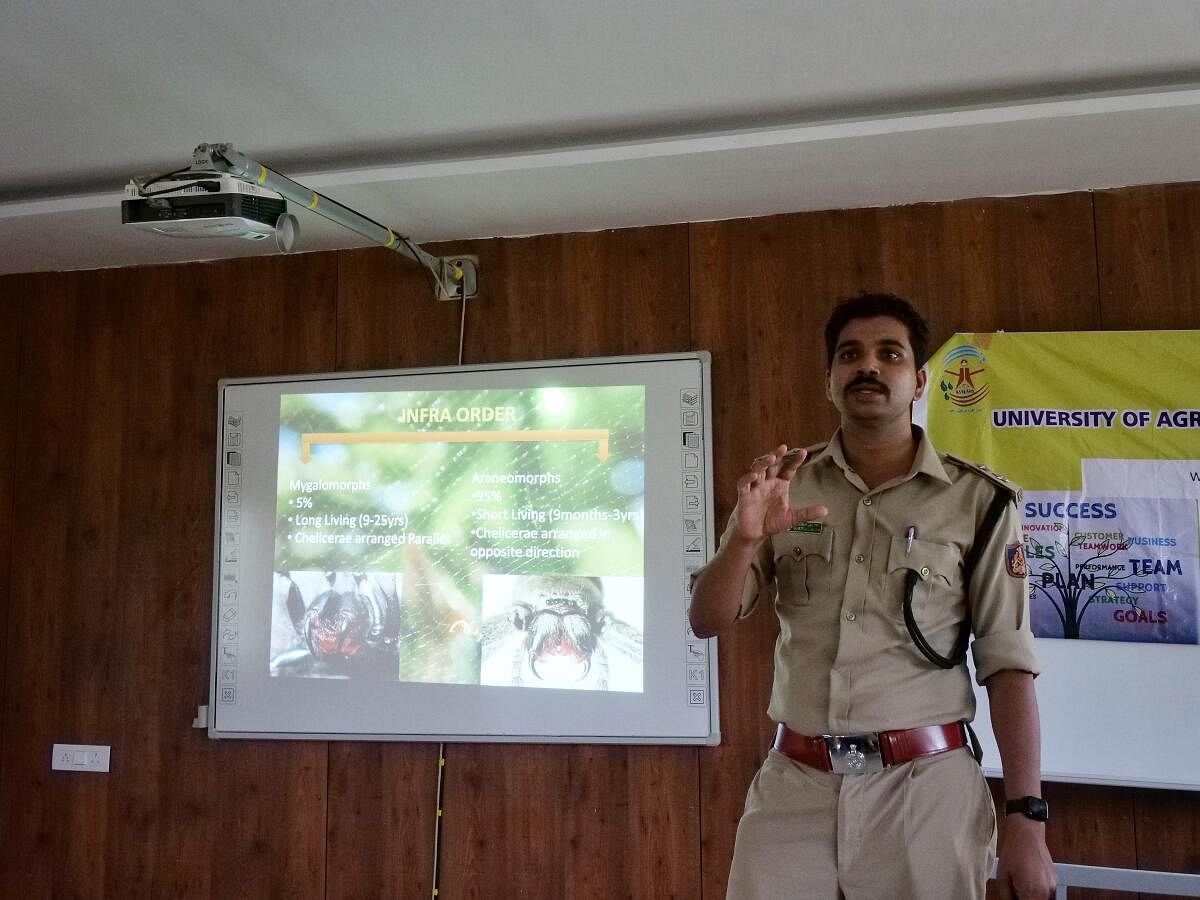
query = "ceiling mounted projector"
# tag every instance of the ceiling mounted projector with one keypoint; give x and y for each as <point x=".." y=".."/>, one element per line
<point x="208" y="204"/>
<point x="224" y="193"/>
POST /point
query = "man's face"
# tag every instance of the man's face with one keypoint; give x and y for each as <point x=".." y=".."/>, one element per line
<point x="874" y="378"/>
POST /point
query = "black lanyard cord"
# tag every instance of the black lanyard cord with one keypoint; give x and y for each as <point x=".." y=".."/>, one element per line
<point x="982" y="537"/>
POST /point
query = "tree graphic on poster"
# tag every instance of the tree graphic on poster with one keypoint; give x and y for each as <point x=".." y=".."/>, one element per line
<point x="1071" y="587"/>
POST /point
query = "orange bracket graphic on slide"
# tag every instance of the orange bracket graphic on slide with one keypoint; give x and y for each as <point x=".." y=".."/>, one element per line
<point x="599" y="435"/>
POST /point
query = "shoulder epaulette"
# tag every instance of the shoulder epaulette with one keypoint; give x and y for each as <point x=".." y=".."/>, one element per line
<point x="813" y="451"/>
<point x="984" y="472"/>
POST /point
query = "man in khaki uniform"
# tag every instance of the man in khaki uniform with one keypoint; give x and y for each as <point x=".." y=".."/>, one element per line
<point x="871" y="789"/>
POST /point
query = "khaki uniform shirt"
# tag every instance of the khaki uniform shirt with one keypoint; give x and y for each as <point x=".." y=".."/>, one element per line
<point x="844" y="661"/>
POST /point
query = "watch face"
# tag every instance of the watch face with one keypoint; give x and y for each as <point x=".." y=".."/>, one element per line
<point x="1032" y="807"/>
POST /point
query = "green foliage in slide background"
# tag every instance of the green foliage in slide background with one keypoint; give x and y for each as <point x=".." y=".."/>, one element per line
<point x="433" y="484"/>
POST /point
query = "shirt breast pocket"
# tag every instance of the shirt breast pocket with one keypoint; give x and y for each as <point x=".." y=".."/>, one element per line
<point x="935" y="571"/>
<point x="802" y="565"/>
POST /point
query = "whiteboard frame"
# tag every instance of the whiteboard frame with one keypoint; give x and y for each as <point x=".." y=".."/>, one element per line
<point x="712" y="705"/>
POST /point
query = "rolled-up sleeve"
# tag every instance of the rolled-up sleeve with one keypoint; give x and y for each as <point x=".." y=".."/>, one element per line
<point x="999" y="593"/>
<point x="760" y="580"/>
<point x="760" y="577"/>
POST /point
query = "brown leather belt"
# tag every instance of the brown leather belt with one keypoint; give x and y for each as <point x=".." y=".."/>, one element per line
<point x="853" y="754"/>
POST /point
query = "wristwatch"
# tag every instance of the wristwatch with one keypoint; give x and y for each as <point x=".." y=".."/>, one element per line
<point x="1031" y="807"/>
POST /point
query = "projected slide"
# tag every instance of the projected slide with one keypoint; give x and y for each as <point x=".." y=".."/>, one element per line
<point x="491" y="537"/>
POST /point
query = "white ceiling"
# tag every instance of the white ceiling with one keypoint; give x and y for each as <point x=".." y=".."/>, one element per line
<point x="457" y="120"/>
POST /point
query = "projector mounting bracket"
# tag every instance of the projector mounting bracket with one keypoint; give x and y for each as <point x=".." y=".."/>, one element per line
<point x="455" y="277"/>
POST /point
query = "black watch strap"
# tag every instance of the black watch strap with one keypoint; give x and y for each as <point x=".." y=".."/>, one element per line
<point x="1031" y="807"/>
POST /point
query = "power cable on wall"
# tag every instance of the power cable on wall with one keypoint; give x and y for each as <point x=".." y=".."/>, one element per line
<point x="441" y="763"/>
<point x="437" y="818"/>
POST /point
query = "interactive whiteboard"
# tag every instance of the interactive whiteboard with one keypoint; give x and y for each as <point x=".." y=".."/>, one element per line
<point x="494" y="553"/>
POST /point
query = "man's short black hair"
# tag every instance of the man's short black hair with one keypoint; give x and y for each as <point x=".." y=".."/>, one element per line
<point x="867" y="306"/>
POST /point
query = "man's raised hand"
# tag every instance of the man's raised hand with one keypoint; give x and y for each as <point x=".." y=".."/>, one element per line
<point x="763" y="507"/>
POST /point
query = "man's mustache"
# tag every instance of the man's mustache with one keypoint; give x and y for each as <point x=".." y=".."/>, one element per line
<point x="866" y="380"/>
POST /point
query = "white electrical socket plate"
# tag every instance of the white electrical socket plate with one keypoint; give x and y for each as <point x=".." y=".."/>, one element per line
<point x="80" y="757"/>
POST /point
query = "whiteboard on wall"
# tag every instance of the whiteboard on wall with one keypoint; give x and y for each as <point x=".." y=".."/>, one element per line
<point x="477" y="553"/>
<point x="1112" y="713"/>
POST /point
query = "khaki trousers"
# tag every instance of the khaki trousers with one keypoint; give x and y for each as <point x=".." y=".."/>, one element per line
<point x="924" y="829"/>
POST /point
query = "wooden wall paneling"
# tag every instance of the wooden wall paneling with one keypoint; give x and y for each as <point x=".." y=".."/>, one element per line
<point x="554" y="821"/>
<point x="265" y="800"/>
<point x="58" y="824"/>
<point x="31" y="692"/>
<point x="381" y="819"/>
<point x="1014" y="264"/>
<point x="383" y="796"/>
<point x="13" y="291"/>
<point x="761" y="291"/>
<point x="109" y="643"/>
<point x="518" y="278"/>
<point x="594" y="294"/>
<point x="1168" y="831"/>
<point x="1148" y="241"/>
<point x="506" y="817"/>
<point x="387" y="315"/>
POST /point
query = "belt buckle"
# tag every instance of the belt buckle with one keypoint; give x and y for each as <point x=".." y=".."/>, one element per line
<point x="853" y="754"/>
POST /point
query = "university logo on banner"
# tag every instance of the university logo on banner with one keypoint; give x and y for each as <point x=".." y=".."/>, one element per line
<point x="963" y="379"/>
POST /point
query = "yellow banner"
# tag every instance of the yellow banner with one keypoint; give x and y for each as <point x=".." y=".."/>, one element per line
<point x="1033" y="406"/>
